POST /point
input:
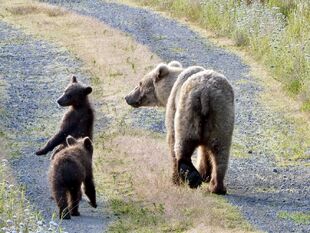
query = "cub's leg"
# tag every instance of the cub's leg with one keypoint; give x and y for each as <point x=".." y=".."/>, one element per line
<point x="76" y="195"/>
<point x="89" y="189"/>
<point x="60" y="195"/>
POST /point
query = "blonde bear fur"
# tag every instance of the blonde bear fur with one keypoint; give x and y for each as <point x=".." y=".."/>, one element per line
<point x="199" y="114"/>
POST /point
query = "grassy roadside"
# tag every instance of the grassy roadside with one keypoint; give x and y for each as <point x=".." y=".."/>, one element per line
<point x="136" y="185"/>
<point x="276" y="34"/>
<point x="16" y="213"/>
<point x="289" y="144"/>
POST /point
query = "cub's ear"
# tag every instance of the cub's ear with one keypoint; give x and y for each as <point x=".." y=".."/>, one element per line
<point x="88" y="143"/>
<point x="74" y="79"/>
<point x="70" y="140"/>
<point x="88" y="90"/>
<point x="161" y="71"/>
<point x="175" y="64"/>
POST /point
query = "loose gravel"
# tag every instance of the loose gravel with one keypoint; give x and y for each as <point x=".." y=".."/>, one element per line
<point x="35" y="73"/>
<point x="256" y="185"/>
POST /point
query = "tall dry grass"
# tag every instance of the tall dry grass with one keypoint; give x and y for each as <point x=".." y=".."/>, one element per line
<point x="141" y="175"/>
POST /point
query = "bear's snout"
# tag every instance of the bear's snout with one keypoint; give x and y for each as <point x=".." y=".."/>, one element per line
<point x="62" y="101"/>
<point x="130" y="101"/>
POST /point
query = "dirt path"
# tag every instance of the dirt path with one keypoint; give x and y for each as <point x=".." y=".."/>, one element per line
<point x="257" y="186"/>
<point x="36" y="73"/>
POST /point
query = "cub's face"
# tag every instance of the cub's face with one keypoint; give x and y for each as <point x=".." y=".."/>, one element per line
<point x="74" y="94"/>
<point x="143" y="94"/>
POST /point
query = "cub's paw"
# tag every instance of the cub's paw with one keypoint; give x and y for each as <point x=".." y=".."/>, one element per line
<point x="75" y="213"/>
<point x="93" y="204"/>
<point x="64" y="215"/>
<point x="41" y="152"/>
<point x="190" y="176"/>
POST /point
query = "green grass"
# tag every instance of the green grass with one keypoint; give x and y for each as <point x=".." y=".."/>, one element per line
<point x="16" y="213"/>
<point x="277" y="34"/>
<point x="298" y="217"/>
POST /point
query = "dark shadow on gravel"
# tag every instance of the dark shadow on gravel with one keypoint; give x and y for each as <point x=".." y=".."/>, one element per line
<point x="36" y="73"/>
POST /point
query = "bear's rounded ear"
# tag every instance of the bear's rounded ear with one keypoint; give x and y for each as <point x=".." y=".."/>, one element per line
<point x="88" y="90"/>
<point x="161" y="71"/>
<point x="88" y="143"/>
<point x="175" y="64"/>
<point x="70" y="140"/>
<point x="74" y="79"/>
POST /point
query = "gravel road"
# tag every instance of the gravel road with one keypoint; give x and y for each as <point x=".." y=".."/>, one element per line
<point x="256" y="185"/>
<point x="35" y="73"/>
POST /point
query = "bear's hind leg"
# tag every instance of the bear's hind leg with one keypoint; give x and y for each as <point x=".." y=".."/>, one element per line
<point x="204" y="164"/>
<point x="75" y="195"/>
<point x="60" y="195"/>
<point x="175" y="173"/>
<point x="187" y="171"/>
<point x="89" y="189"/>
<point x="219" y="158"/>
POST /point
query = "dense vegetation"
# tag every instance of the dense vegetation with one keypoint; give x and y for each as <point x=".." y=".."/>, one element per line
<point x="276" y="32"/>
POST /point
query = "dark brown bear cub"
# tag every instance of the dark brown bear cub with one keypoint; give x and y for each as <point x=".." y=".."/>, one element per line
<point x="78" y="120"/>
<point x="69" y="168"/>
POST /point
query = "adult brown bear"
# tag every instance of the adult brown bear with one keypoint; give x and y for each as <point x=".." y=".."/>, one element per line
<point x="199" y="114"/>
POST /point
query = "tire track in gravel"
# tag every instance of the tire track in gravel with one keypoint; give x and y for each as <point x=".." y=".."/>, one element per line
<point x="36" y="72"/>
<point x="256" y="185"/>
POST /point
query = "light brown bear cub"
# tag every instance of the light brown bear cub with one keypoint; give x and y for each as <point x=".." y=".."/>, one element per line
<point x="69" y="168"/>
<point x="78" y="120"/>
<point x="199" y="114"/>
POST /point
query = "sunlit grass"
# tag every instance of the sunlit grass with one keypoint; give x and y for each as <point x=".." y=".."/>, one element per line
<point x="298" y="217"/>
<point x="16" y="212"/>
<point x="141" y="194"/>
<point x="276" y="33"/>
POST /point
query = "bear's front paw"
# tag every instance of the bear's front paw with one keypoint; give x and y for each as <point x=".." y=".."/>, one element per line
<point x="65" y="214"/>
<point x="93" y="204"/>
<point x="190" y="176"/>
<point x="41" y="152"/>
<point x="75" y="213"/>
